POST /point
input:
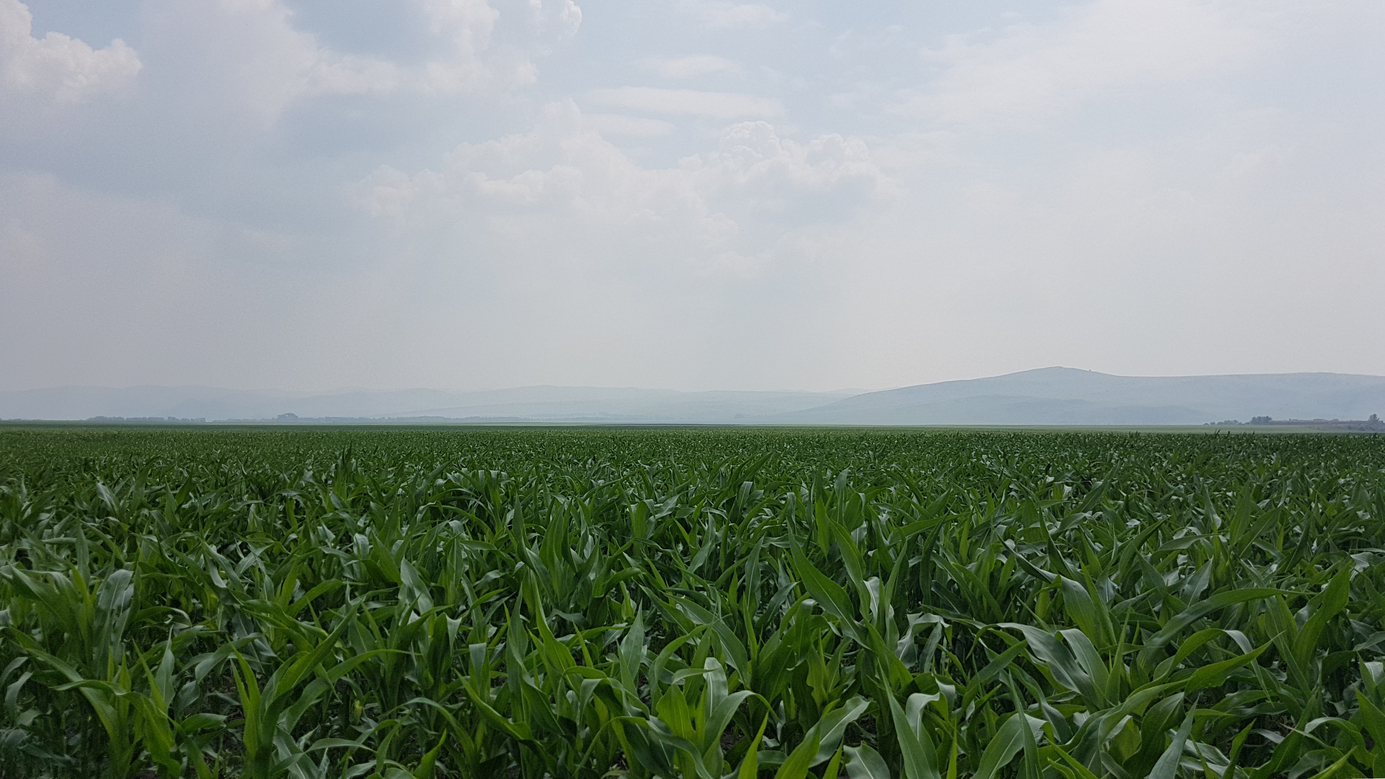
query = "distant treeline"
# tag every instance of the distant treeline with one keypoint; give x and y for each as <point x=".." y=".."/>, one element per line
<point x="152" y="420"/>
<point x="1374" y="424"/>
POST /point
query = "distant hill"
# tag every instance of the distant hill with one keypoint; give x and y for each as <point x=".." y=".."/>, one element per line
<point x="1067" y="396"/>
<point x="1048" y="396"/>
<point x="536" y="404"/>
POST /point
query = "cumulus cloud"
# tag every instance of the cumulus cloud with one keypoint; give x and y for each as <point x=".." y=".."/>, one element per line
<point x="563" y="190"/>
<point x="689" y="102"/>
<point x="65" y="68"/>
<point x="564" y="180"/>
<point x="467" y="22"/>
<point x="1028" y="70"/>
<point x="247" y="56"/>
<point x="632" y="126"/>
<point x="476" y="61"/>
<point x="719" y="14"/>
<point x="752" y="154"/>
<point x="691" y="66"/>
<point x="254" y="54"/>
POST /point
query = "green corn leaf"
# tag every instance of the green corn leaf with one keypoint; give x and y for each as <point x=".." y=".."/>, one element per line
<point x="750" y="764"/>
<point x="1167" y="765"/>
<point x="1329" y="605"/>
<point x="1007" y="742"/>
<point x="796" y="766"/>
<point x="1215" y="675"/>
<point x="920" y="760"/>
<point x="829" y="595"/>
<point x="862" y="762"/>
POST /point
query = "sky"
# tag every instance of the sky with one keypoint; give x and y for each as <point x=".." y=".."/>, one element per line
<point x="686" y="194"/>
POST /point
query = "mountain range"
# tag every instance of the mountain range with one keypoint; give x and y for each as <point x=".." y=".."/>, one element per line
<point x="1047" y="396"/>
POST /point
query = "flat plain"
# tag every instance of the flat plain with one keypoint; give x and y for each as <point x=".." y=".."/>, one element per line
<point x="690" y="602"/>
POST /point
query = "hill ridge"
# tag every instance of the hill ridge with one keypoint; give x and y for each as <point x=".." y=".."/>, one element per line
<point x="1065" y="396"/>
<point x="1054" y="395"/>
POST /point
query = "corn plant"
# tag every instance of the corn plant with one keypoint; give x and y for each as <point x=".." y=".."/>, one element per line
<point x="690" y="604"/>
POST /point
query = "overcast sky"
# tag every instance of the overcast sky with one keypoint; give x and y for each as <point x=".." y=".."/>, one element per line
<point x="688" y="194"/>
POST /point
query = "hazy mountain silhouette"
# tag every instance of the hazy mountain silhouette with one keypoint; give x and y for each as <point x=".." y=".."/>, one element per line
<point x="542" y="404"/>
<point x="1067" y="396"/>
<point x="1048" y="396"/>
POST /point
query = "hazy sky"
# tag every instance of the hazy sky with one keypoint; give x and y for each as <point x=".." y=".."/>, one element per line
<point x="691" y="194"/>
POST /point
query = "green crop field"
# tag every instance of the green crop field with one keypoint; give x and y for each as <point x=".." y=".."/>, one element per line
<point x="690" y="603"/>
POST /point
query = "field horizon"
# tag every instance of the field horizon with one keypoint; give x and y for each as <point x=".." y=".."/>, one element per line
<point x="1046" y="396"/>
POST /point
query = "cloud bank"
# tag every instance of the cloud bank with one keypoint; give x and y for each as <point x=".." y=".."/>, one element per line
<point x="694" y="195"/>
<point x="58" y="66"/>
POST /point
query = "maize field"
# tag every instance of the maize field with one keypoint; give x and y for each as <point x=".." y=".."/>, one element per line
<point x="690" y="604"/>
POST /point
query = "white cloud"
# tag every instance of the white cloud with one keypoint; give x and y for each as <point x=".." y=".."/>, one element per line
<point x="752" y="151"/>
<point x="1025" y="71"/>
<point x="477" y="61"/>
<point x="467" y="22"/>
<point x="65" y="68"/>
<point x="1190" y="203"/>
<point x="717" y="105"/>
<point x="251" y="53"/>
<point x="247" y="56"/>
<point x="688" y="67"/>
<point x="564" y="181"/>
<point x="565" y="14"/>
<point x="719" y="14"/>
<point x="634" y="126"/>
